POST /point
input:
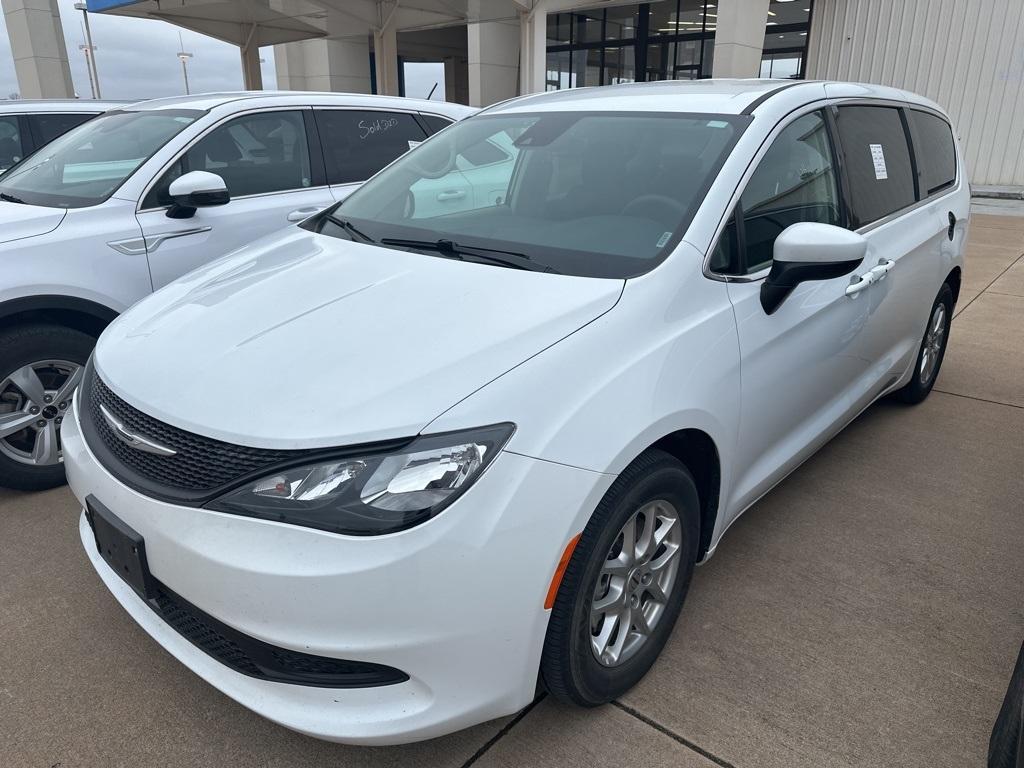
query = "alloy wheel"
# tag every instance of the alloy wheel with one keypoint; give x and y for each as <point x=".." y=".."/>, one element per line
<point x="934" y="338"/>
<point x="635" y="582"/>
<point x="33" y="402"/>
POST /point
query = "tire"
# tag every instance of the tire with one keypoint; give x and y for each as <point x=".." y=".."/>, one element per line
<point x="920" y="385"/>
<point x="1006" y="745"/>
<point x="33" y="347"/>
<point x="570" y="668"/>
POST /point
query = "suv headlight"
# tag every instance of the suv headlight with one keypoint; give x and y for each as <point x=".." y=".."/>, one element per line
<point x="373" y="494"/>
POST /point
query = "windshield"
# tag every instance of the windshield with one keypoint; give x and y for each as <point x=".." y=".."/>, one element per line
<point x="86" y="165"/>
<point x="595" y="194"/>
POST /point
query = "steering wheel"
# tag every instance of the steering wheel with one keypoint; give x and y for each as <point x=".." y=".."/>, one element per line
<point x="446" y="167"/>
<point x="651" y="204"/>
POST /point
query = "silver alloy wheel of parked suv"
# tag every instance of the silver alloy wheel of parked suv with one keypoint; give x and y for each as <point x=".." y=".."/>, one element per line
<point x="33" y="401"/>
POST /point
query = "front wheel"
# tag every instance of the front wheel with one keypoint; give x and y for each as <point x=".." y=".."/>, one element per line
<point x="932" y="349"/>
<point x="625" y="583"/>
<point x="40" y="367"/>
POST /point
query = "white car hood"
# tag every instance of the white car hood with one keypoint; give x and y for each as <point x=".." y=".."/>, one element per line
<point x="18" y="221"/>
<point x="308" y="341"/>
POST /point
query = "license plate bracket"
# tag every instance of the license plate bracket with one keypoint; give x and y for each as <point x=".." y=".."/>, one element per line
<point x="123" y="549"/>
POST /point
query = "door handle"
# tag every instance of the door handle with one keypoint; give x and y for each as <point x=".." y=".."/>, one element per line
<point x="451" y="194"/>
<point x="300" y="214"/>
<point x="951" y="231"/>
<point x="857" y="286"/>
<point x="883" y="268"/>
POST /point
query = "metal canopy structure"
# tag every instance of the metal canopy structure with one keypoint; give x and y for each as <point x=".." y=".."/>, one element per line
<point x="250" y="24"/>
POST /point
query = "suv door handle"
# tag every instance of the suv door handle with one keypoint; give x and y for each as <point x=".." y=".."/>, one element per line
<point x="300" y="214"/>
<point x="882" y="269"/>
<point x="451" y="194"/>
<point x="865" y="281"/>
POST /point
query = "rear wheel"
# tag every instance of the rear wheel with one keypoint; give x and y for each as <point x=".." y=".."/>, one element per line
<point x="932" y="349"/>
<point x="625" y="583"/>
<point x="40" y="368"/>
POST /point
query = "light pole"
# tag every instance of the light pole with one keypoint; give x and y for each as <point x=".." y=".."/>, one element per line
<point x="90" y="51"/>
<point x="184" y="56"/>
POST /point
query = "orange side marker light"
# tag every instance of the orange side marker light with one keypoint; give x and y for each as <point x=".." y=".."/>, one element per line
<point x="556" y="580"/>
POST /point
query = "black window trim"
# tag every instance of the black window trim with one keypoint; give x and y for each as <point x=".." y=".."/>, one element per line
<point x="301" y="108"/>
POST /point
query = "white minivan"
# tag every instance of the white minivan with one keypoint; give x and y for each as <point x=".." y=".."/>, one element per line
<point x="374" y="475"/>
<point x="122" y="205"/>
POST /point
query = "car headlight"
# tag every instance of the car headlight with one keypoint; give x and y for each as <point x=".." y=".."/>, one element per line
<point x="373" y="494"/>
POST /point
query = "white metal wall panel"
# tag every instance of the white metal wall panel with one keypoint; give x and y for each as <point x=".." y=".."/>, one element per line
<point x="967" y="55"/>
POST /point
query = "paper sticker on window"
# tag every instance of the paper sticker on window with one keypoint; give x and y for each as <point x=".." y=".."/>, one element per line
<point x="414" y="144"/>
<point x="878" y="158"/>
<point x="663" y="240"/>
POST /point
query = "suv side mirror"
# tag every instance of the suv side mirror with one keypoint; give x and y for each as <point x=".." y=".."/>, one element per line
<point x="809" y="251"/>
<point x="196" y="189"/>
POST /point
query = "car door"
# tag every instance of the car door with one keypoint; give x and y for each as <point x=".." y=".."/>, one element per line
<point x="359" y="142"/>
<point x="801" y="364"/>
<point x="273" y="172"/>
<point x="905" y="240"/>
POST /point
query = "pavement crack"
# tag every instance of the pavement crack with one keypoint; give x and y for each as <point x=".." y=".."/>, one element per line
<point x="979" y="399"/>
<point x="508" y="727"/>
<point x="673" y="735"/>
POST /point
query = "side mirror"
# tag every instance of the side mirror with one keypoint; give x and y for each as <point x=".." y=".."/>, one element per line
<point x="809" y="251"/>
<point x="196" y="189"/>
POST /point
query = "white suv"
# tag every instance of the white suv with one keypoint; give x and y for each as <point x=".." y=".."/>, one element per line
<point x="26" y="125"/>
<point x="128" y="202"/>
<point x="370" y="476"/>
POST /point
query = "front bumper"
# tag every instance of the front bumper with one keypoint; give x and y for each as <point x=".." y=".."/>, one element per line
<point x="456" y="603"/>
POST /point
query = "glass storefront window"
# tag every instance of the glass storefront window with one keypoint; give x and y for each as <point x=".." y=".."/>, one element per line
<point x="621" y="22"/>
<point x="665" y="40"/>
<point x="619" y="66"/>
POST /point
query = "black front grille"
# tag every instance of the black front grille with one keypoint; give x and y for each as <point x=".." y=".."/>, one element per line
<point x="256" y="658"/>
<point x="199" y="464"/>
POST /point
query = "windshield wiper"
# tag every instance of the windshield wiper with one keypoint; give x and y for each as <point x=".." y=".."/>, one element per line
<point x="11" y="198"/>
<point x="456" y="251"/>
<point x="347" y="226"/>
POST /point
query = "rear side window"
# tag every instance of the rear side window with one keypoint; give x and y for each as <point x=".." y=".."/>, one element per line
<point x="11" y="147"/>
<point x="435" y="123"/>
<point x="48" y="127"/>
<point x="357" y="144"/>
<point x="933" y="150"/>
<point x="877" y="157"/>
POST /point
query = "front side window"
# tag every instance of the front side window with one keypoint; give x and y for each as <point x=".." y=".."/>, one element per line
<point x="86" y="165"/>
<point x="11" y="148"/>
<point x="255" y="155"/>
<point x="794" y="182"/>
<point x="934" y="151"/>
<point x="878" y="166"/>
<point x="48" y="126"/>
<point x="359" y="143"/>
<point x="596" y="194"/>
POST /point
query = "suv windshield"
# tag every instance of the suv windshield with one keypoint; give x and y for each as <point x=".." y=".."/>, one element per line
<point x="84" y="166"/>
<point x="604" y="194"/>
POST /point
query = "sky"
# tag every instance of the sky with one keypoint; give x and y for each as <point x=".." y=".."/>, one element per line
<point x="136" y="60"/>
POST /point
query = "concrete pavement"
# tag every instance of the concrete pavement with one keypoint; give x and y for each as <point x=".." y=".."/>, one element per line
<point x="867" y="612"/>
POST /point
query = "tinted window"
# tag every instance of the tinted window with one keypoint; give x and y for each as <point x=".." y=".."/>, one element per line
<point x="795" y="181"/>
<point x="49" y="127"/>
<point x="10" y="142"/>
<point x="85" y="165"/>
<point x="877" y="161"/>
<point x="358" y="144"/>
<point x="255" y="155"/>
<point x="601" y="194"/>
<point x="933" y="150"/>
<point x="435" y="123"/>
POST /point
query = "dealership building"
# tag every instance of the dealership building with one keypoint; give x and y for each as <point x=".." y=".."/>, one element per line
<point x="968" y="55"/>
